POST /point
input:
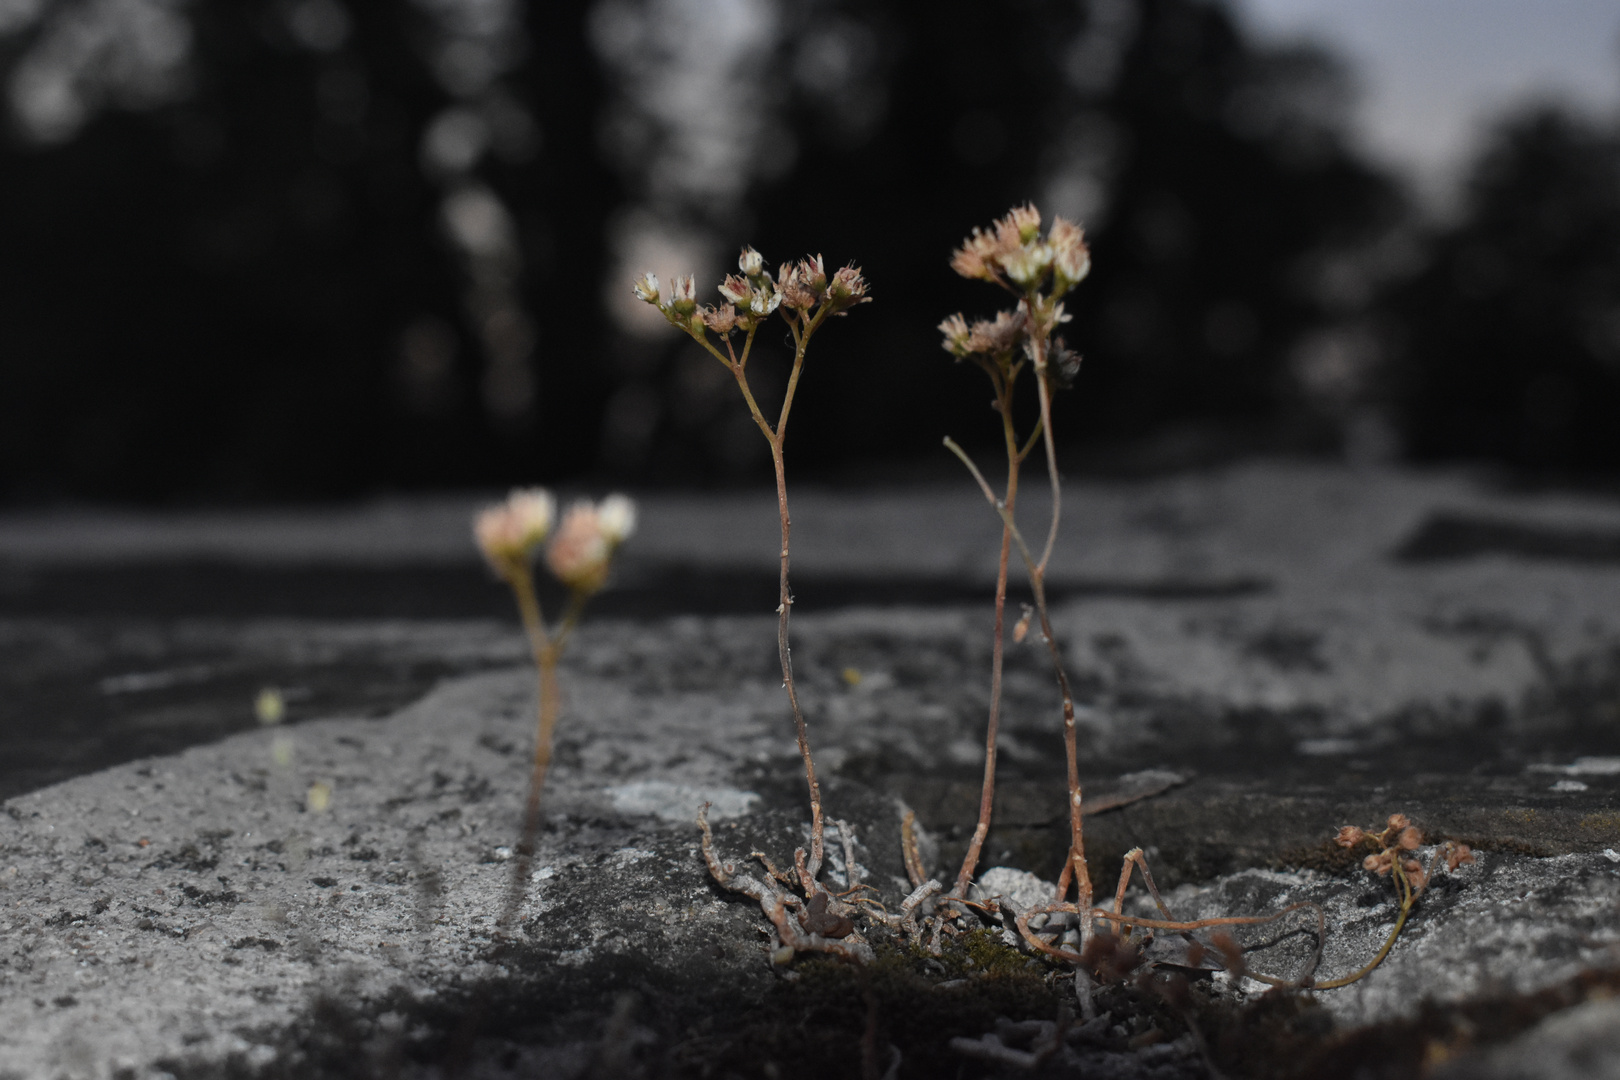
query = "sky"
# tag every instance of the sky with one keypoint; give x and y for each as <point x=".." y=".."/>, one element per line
<point x="1431" y="72"/>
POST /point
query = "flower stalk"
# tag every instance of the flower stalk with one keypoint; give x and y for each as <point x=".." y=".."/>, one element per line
<point x="510" y="535"/>
<point x="1037" y="271"/>
<point x="805" y="297"/>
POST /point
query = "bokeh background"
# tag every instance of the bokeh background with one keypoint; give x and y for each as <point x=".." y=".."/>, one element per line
<point x="308" y="249"/>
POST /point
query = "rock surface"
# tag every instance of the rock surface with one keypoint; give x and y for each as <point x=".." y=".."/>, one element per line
<point x="1310" y="646"/>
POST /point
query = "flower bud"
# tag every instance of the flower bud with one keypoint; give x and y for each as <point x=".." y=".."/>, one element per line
<point x="764" y="300"/>
<point x="1028" y="265"/>
<point x="956" y="332"/>
<point x="579" y="554"/>
<point x="1027" y="220"/>
<point x="846" y="289"/>
<point x="617" y="518"/>
<point x="1411" y="838"/>
<point x="646" y="288"/>
<point x="751" y="262"/>
<point x="508" y="532"/>
<point x="976" y="257"/>
<point x="1349" y="836"/>
<point x="813" y="274"/>
<point x="796" y="294"/>
<point x="1380" y="863"/>
<point x="1071" y="259"/>
<point x="684" y="300"/>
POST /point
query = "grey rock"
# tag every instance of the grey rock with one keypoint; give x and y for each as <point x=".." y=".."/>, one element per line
<point x="1313" y="646"/>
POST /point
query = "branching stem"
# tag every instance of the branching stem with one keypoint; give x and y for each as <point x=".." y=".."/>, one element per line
<point x="802" y="326"/>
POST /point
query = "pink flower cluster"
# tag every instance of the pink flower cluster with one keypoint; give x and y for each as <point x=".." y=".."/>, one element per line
<point x="511" y="532"/>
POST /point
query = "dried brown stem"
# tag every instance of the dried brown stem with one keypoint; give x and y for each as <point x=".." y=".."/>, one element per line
<point x="1037" y="584"/>
<point x="1174" y="926"/>
<point x="1015" y="461"/>
<point x="908" y="849"/>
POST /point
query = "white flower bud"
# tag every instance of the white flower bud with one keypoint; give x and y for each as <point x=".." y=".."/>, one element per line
<point x="684" y="300"/>
<point x="1028" y="265"/>
<point x="751" y="262"/>
<point x="534" y="510"/>
<point x="647" y="288"/>
<point x="508" y="532"/>
<point x="580" y="553"/>
<point x="616" y="517"/>
<point x="764" y="301"/>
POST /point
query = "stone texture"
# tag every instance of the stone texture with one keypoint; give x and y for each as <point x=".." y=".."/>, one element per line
<point x="1310" y="646"/>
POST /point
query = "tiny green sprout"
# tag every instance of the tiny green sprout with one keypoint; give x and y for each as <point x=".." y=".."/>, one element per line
<point x="270" y="707"/>
<point x="510" y="535"/>
<point x="318" y="799"/>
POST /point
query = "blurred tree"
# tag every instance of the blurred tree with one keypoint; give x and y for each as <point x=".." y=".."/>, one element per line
<point x="1225" y="209"/>
<point x="301" y="275"/>
<point x="317" y="247"/>
<point x="1512" y="346"/>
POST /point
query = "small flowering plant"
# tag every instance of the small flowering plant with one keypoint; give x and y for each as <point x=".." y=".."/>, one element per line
<point x="510" y="535"/>
<point x="1392" y="853"/>
<point x="1037" y="271"/>
<point x="804" y="296"/>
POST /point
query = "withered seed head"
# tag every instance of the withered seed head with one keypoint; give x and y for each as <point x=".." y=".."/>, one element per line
<point x="1414" y="873"/>
<point x="1349" y="836"/>
<point x="1410" y="839"/>
<point x="720" y="319"/>
<point x="1000" y="335"/>
<point x="796" y="293"/>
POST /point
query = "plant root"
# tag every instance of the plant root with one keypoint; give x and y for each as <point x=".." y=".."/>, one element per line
<point x="817" y="922"/>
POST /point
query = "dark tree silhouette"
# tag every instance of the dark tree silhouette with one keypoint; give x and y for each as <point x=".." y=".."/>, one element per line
<point x="1229" y="178"/>
<point x="250" y="293"/>
<point x="1513" y="332"/>
<point x="209" y="298"/>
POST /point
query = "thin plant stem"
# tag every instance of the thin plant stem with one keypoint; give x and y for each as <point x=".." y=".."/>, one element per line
<point x="1082" y="875"/>
<point x="547" y="650"/>
<point x="987" y="795"/>
<point x="1037" y="584"/>
<point x="1409" y="897"/>
<point x="777" y="436"/>
<point x="1045" y="392"/>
